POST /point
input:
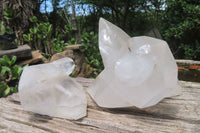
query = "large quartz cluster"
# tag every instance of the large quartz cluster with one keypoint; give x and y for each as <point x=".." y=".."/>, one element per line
<point x="47" y="89"/>
<point x="139" y="71"/>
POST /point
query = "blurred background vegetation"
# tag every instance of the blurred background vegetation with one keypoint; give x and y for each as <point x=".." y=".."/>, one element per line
<point x="50" y="25"/>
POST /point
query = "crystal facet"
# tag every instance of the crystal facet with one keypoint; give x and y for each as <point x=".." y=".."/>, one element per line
<point x="47" y="89"/>
<point x="139" y="71"/>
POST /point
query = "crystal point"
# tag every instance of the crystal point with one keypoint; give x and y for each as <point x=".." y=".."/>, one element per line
<point x="139" y="71"/>
<point x="47" y="89"/>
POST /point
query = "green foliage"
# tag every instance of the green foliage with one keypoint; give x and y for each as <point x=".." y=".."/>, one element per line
<point x="27" y="37"/>
<point x="40" y="37"/>
<point x="177" y="20"/>
<point x="91" y="51"/>
<point x="59" y="45"/>
<point x="9" y="14"/>
<point x="34" y="19"/>
<point x="68" y="29"/>
<point x="181" y="27"/>
<point x="4" y="29"/>
<point x="191" y="52"/>
<point x="73" y="41"/>
<point x="9" y="75"/>
<point x="44" y="28"/>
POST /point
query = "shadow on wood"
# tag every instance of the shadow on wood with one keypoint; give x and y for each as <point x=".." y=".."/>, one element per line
<point x="175" y="114"/>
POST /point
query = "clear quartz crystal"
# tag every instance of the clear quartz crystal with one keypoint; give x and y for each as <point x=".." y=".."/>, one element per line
<point x="139" y="71"/>
<point x="47" y="89"/>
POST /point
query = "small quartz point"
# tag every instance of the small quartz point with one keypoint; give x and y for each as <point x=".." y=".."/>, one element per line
<point x="139" y="71"/>
<point x="47" y="89"/>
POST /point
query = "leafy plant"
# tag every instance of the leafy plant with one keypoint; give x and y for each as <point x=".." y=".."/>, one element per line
<point x="9" y="75"/>
<point x="68" y="30"/>
<point x="39" y="37"/>
<point x="58" y="45"/>
<point x="33" y="19"/>
<point x="4" y="29"/>
<point x="73" y="41"/>
<point x="91" y="51"/>
<point x="191" y="52"/>
<point x="181" y="27"/>
<point x="9" y="14"/>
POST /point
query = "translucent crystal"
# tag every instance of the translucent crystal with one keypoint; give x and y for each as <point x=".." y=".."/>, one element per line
<point x="139" y="71"/>
<point x="47" y="89"/>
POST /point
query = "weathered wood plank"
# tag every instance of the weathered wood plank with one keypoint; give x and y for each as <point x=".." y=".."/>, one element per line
<point x="179" y="114"/>
<point x="187" y="62"/>
<point x="37" y="58"/>
<point x="22" y="52"/>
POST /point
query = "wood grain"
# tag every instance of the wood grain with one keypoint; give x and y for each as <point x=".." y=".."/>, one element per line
<point x="22" y="52"/>
<point x="179" y="114"/>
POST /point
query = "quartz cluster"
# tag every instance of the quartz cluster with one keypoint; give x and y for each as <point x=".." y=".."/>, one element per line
<point x="139" y="71"/>
<point x="47" y="89"/>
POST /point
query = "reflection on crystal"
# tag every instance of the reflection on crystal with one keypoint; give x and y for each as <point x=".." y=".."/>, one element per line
<point x="139" y="71"/>
<point x="144" y="49"/>
<point x="47" y="89"/>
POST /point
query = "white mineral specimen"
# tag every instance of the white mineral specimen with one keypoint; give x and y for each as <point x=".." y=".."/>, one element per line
<point x="47" y="89"/>
<point x="139" y="71"/>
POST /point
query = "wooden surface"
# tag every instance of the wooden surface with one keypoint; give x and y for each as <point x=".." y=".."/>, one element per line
<point x="187" y="62"/>
<point x="179" y="114"/>
<point x="37" y="58"/>
<point x="22" y="52"/>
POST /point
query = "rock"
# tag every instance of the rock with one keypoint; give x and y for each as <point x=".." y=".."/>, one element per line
<point x="139" y="71"/>
<point x="22" y="52"/>
<point x="37" y="58"/>
<point x="47" y="89"/>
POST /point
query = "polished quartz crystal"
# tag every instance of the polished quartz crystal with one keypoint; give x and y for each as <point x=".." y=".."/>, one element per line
<point x="139" y="71"/>
<point x="47" y="89"/>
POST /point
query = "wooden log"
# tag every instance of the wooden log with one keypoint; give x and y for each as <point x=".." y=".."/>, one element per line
<point x="73" y="47"/>
<point x="37" y="58"/>
<point x="178" y="114"/>
<point x="187" y="62"/>
<point x="22" y="52"/>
